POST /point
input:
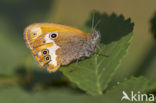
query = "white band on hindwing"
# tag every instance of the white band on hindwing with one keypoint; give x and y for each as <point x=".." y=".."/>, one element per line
<point x="52" y="50"/>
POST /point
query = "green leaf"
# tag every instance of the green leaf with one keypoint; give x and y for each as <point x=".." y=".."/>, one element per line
<point x="94" y="74"/>
<point x="135" y="84"/>
<point x="53" y="95"/>
<point x="18" y="95"/>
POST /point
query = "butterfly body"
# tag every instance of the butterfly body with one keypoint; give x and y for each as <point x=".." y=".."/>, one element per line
<point x="55" y="45"/>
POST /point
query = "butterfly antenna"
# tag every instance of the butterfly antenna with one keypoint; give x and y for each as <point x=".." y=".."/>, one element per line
<point x="94" y="28"/>
<point x="93" y="20"/>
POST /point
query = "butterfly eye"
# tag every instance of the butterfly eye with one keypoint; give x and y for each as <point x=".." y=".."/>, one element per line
<point x="47" y="58"/>
<point x="53" y="35"/>
<point x="45" y="52"/>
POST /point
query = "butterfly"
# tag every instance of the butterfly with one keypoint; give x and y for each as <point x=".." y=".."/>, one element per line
<point x="54" y="45"/>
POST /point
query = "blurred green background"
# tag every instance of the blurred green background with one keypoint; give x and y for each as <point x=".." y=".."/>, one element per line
<point x="16" y="59"/>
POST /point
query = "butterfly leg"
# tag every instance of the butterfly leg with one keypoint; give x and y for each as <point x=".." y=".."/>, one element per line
<point x="100" y="50"/>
